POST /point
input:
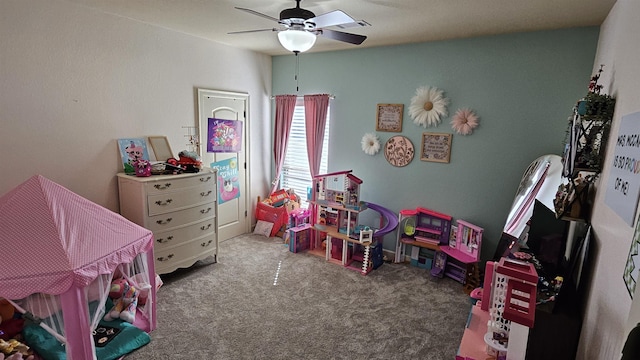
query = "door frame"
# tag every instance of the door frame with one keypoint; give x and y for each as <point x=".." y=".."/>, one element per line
<point x="245" y="138"/>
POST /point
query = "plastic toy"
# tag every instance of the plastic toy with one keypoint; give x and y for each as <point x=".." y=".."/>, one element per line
<point x="189" y="161"/>
<point x="142" y="167"/>
<point x="463" y="252"/>
<point x="426" y="231"/>
<point x="512" y="298"/>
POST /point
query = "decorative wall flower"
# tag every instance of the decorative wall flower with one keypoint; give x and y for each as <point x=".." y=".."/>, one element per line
<point x="370" y="144"/>
<point x="428" y="106"/>
<point x="464" y="121"/>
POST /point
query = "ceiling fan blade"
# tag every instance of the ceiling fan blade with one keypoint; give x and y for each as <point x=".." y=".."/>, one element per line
<point x="353" y="24"/>
<point x="258" y="14"/>
<point x="342" y="36"/>
<point x="333" y="18"/>
<point x="252" y="31"/>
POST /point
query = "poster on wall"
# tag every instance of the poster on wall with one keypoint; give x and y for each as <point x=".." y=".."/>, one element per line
<point x="224" y="135"/>
<point x="623" y="185"/>
<point x="633" y="262"/>
<point x="228" y="184"/>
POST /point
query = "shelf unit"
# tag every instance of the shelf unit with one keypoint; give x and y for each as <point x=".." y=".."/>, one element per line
<point x="585" y="143"/>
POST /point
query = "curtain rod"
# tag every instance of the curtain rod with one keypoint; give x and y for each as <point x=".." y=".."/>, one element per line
<point x="330" y="96"/>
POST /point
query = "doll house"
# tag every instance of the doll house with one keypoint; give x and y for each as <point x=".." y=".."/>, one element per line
<point x="426" y="231"/>
<point x="461" y="254"/>
<point x="336" y="203"/>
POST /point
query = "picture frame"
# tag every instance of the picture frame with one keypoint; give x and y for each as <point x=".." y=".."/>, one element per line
<point x="161" y="148"/>
<point x="389" y="117"/>
<point x="398" y="151"/>
<point x="131" y="150"/>
<point x="436" y="147"/>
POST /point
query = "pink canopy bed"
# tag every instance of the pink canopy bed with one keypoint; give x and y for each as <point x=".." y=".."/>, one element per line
<point x="62" y="250"/>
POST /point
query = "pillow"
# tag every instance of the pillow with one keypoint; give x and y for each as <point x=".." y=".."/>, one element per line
<point x="263" y="228"/>
<point x="129" y="338"/>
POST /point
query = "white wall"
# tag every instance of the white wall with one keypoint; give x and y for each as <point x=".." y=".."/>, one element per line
<point x="607" y="320"/>
<point x="73" y="80"/>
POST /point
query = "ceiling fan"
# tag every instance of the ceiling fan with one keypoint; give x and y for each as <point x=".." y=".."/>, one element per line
<point x="300" y="27"/>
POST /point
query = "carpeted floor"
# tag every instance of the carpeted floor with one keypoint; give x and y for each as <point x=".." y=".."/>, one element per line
<point x="260" y="301"/>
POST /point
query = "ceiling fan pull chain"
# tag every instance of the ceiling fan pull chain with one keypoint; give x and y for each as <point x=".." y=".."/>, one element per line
<point x="297" y="71"/>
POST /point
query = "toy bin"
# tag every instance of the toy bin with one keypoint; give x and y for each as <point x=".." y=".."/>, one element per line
<point x="276" y="215"/>
<point x="300" y="238"/>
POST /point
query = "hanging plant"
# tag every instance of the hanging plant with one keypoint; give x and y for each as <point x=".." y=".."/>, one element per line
<point x="464" y="121"/>
<point x="370" y="144"/>
<point x="428" y="106"/>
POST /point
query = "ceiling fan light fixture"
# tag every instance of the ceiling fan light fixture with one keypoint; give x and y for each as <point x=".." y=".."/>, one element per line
<point x="297" y="40"/>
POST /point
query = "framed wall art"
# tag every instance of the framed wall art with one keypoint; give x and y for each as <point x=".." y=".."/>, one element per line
<point x="436" y="147"/>
<point x="132" y="150"/>
<point x="161" y="147"/>
<point x="399" y="151"/>
<point x="389" y="117"/>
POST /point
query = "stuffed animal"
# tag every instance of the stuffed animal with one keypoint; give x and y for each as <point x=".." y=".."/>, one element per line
<point x="126" y="306"/>
<point x="117" y="288"/>
<point x="15" y="349"/>
<point x="16" y="356"/>
<point x="6" y="310"/>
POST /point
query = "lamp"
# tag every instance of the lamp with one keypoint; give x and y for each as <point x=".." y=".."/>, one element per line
<point x="296" y="41"/>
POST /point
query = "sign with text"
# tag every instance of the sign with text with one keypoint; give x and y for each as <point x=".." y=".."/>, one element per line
<point x="623" y="186"/>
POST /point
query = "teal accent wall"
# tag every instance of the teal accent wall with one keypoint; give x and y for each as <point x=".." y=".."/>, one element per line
<point x="522" y="86"/>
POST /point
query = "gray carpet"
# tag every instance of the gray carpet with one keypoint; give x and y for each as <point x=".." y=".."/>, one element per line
<point x="260" y="301"/>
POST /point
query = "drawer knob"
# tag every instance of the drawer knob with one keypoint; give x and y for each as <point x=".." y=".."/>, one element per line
<point x="162" y="187"/>
<point x="164" y="222"/>
<point x="205" y="227"/>
<point x="205" y="244"/>
<point x="165" y="258"/>
<point x="205" y="193"/>
<point x="203" y="211"/>
<point x="163" y="240"/>
<point x="163" y="203"/>
<point x="202" y="179"/>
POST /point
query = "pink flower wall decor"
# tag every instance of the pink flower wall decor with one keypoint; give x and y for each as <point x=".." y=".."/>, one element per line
<point x="464" y="121"/>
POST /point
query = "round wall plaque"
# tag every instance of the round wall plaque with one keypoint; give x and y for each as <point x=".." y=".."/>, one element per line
<point x="398" y="151"/>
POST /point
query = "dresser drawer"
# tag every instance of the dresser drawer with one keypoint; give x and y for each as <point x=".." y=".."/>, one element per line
<point x="176" y="237"/>
<point x="169" y="184"/>
<point x="178" y="200"/>
<point x="178" y="218"/>
<point x="167" y="258"/>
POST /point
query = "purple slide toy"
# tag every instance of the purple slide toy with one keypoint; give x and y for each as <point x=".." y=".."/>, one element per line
<point x="391" y="219"/>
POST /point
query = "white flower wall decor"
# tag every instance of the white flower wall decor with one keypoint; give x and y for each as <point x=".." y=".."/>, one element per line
<point x="464" y="121"/>
<point x="428" y="106"/>
<point x="370" y="144"/>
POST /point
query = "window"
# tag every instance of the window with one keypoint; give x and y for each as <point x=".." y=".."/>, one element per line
<point x="295" y="171"/>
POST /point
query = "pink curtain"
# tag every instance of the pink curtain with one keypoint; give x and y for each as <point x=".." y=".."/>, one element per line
<point x="315" y="118"/>
<point x="285" y="105"/>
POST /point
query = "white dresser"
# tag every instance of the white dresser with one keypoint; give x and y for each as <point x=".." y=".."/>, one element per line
<point x="181" y="210"/>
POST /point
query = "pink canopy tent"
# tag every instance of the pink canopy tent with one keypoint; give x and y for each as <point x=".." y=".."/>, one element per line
<point x="56" y="242"/>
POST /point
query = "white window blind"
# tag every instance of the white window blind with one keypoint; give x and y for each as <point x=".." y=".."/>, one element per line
<point x="295" y="171"/>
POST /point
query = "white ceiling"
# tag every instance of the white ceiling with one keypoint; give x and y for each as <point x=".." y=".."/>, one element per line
<point x="392" y="21"/>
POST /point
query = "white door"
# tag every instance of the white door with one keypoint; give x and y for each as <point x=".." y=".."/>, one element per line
<point x="232" y="201"/>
